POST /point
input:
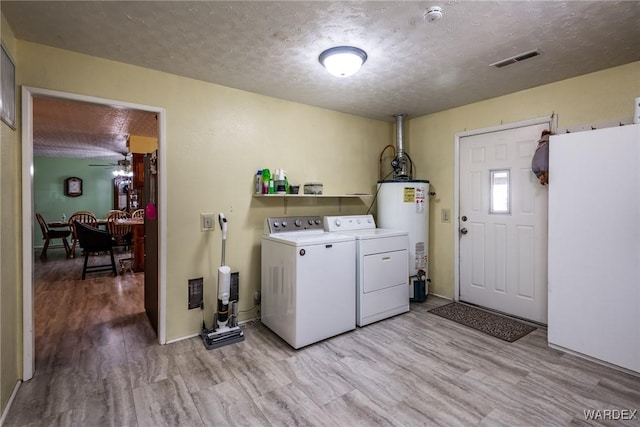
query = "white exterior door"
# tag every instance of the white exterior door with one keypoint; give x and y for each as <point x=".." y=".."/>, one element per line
<point x="503" y="223"/>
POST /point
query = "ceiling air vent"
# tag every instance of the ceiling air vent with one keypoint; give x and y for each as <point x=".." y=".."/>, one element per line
<point x="517" y="58"/>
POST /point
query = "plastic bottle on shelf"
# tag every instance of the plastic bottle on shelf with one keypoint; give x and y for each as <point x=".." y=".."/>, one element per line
<point x="279" y="181"/>
<point x="259" y="182"/>
<point x="266" y="177"/>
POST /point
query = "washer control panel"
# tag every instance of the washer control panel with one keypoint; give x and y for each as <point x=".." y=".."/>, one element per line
<point x="284" y="224"/>
<point x="349" y="222"/>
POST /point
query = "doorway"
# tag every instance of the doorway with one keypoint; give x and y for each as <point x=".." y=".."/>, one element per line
<point x="501" y="221"/>
<point x="28" y="95"/>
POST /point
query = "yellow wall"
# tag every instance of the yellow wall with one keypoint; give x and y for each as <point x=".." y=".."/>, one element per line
<point x="142" y="144"/>
<point x="10" y="248"/>
<point x="601" y="96"/>
<point x="217" y="138"/>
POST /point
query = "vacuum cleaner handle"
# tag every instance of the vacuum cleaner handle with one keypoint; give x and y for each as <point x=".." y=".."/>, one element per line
<point x="223" y="225"/>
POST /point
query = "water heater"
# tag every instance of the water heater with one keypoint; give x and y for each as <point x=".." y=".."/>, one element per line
<point x="404" y="205"/>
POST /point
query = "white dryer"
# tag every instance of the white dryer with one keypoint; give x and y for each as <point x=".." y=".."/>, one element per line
<point x="308" y="280"/>
<point x="382" y="267"/>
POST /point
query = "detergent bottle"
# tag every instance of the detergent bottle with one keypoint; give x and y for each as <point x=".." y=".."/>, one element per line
<point x="266" y="177"/>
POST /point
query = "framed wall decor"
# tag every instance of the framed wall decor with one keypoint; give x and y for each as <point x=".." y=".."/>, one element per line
<point x="73" y="186"/>
<point x="7" y="89"/>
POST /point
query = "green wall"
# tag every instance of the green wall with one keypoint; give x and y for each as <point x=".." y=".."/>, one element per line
<point x="48" y="189"/>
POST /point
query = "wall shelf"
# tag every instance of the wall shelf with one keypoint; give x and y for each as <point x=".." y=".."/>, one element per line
<point x="335" y="196"/>
<point x="286" y="197"/>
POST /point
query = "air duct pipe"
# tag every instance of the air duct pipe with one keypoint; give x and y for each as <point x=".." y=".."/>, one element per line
<point x="400" y="162"/>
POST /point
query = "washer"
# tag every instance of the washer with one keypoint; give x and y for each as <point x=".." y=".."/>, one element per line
<point x="382" y="267"/>
<point x="308" y="280"/>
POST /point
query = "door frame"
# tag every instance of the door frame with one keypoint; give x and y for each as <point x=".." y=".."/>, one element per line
<point x="28" y="93"/>
<point x="551" y="120"/>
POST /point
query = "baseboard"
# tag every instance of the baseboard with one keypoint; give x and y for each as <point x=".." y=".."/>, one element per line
<point x="439" y="296"/>
<point x="593" y="359"/>
<point x="242" y="323"/>
<point x="10" y="402"/>
<point x="249" y="321"/>
<point x="182" y="338"/>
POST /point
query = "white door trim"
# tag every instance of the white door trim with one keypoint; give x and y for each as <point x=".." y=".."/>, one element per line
<point x="551" y="120"/>
<point x="27" y="213"/>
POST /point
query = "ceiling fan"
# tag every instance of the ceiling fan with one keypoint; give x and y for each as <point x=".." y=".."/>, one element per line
<point x="120" y="163"/>
<point x="124" y="166"/>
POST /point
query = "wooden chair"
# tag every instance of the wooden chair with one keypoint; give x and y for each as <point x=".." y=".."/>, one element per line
<point x="84" y="217"/>
<point x="120" y="232"/>
<point x="138" y="213"/>
<point x="49" y="235"/>
<point x="109" y="212"/>
<point x="93" y="240"/>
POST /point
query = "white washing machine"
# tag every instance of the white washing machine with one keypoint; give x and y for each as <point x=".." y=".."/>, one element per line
<point x="382" y="267"/>
<point x="308" y="280"/>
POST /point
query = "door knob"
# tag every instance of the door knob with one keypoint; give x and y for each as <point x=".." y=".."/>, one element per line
<point x="464" y="231"/>
<point x="464" y="218"/>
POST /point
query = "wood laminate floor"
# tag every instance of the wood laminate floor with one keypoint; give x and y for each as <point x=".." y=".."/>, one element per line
<point x="98" y="364"/>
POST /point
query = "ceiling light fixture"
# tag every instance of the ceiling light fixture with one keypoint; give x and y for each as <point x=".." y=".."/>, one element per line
<point x="343" y="61"/>
<point x="433" y="14"/>
<point x="123" y="172"/>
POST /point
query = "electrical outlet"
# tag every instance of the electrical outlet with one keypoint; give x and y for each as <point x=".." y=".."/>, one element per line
<point x="206" y="221"/>
<point x="256" y="298"/>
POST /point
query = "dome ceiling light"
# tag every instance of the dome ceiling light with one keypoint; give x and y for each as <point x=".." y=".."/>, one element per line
<point x="433" y="14"/>
<point x="343" y="61"/>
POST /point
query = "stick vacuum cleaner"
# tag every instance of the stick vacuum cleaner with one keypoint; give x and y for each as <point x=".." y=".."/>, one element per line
<point x="225" y="329"/>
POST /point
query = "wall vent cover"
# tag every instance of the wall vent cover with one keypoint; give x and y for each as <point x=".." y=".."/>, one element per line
<point x="517" y="58"/>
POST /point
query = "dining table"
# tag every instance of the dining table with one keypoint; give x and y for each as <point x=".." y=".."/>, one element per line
<point x="58" y="224"/>
<point x="65" y="224"/>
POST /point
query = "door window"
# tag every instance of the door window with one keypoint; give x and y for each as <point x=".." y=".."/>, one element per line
<point x="500" y="191"/>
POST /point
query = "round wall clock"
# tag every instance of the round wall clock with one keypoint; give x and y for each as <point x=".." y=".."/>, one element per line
<point x="73" y="186"/>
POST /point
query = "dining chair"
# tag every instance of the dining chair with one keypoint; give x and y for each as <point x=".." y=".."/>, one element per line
<point x="122" y="233"/>
<point x="109" y="212"/>
<point x="93" y="240"/>
<point x="85" y="217"/>
<point x="138" y="213"/>
<point x="49" y="235"/>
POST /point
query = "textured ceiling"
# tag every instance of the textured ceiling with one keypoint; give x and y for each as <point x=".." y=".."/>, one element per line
<point x="414" y="67"/>
<point x="73" y="129"/>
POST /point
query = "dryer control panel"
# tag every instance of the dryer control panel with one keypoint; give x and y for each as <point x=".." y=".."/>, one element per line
<point x="284" y="224"/>
<point x="349" y="222"/>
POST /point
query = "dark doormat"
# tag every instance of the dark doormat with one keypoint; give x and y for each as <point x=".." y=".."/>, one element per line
<point x="495" y="325"/>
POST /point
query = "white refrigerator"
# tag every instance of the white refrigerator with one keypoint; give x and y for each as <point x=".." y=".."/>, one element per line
<point x="594" y="244"/>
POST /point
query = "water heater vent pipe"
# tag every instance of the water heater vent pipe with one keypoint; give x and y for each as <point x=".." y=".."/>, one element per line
<point x="400" y="161"/>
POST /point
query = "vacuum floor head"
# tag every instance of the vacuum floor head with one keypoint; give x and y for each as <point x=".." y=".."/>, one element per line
<point x="213" y="340"/>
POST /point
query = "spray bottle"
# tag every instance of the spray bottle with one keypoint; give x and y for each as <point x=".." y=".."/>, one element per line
<point x="258" y="183"/>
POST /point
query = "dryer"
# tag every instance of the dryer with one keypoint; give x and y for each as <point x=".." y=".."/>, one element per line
<point x="308" y="280"/>
<point x="382" y="267"/>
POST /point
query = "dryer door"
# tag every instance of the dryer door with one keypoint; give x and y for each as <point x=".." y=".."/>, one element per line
<point x="384" y="270"/>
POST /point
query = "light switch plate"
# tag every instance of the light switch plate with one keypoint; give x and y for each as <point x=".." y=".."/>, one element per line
<point x="445" y="215"/>
<point x="206" y="222"/>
